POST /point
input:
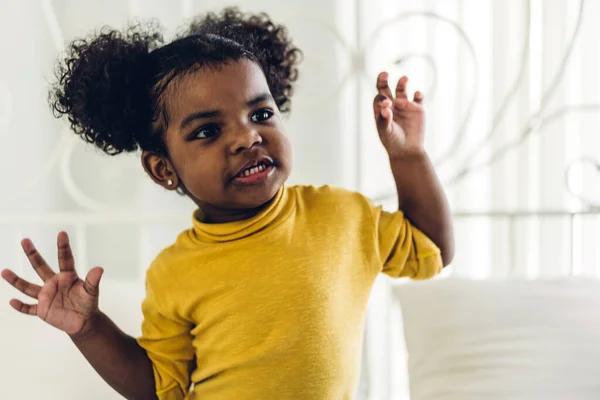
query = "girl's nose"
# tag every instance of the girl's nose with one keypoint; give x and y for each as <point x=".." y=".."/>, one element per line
<point x="244" y="138"/>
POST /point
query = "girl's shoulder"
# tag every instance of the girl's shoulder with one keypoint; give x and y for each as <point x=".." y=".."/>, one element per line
<point x="324" y="192"/>
<point x="329" y="196"/>
<point x="170" y="263"/>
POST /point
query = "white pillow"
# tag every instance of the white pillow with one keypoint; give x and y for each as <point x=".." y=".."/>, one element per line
<point x="502" y="339"/>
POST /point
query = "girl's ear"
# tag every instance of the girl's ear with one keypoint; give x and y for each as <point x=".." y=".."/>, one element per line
<point x="160" y="169"/>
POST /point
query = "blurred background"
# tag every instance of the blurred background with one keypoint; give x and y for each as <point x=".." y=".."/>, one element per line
<point x="512" y="95"/>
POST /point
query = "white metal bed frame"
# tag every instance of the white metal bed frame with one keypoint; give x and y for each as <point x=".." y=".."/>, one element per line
<point x="81" y="220"/>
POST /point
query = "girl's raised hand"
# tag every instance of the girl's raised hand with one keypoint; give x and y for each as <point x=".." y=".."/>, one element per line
<point x="64" y="301"/>
<point x="400" y="121"/>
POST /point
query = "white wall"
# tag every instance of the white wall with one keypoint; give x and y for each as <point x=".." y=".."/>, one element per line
<point x="78" y="189"/>
<point x="470" y="58"/>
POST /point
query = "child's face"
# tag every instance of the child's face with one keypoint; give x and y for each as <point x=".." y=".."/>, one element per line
<point x="222" y="121"/>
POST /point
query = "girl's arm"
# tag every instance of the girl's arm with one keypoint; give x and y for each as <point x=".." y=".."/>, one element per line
<point x="422" y="199"/>
<point x="401" y="127"/>
<point x="118" y="358"/>
<point x="70" y="304"/>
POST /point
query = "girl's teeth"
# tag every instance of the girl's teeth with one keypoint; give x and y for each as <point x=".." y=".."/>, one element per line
<point x="254" y="170"/>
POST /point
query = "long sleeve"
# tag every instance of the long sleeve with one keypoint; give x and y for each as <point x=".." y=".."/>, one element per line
<point x="168" y="342"/>
<point x="404" y="250"/>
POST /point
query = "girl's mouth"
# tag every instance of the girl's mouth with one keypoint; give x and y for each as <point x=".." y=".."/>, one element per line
<point x="254" y="174"/>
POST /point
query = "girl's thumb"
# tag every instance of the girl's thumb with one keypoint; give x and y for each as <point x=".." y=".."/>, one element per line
<point x="92" y="281"/>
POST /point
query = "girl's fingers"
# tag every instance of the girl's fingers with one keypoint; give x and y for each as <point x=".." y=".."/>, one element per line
<point x="405" y="105"/>
<point x="401" y="88"/>
<point x="21" y="285"/>
<point x="382" y="85"/>
<point x="418" y="98"/>
<point x="29" y="309"/>
<point x="66" y="263"/>
<point x="380" y="102"/>
<point x="402" y="105"/>
<point x="36" y="260"/>
<point x="382" y="109"/>
<point x="386" y="113"/>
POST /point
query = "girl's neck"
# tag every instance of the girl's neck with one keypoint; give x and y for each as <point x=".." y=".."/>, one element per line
<point x="210" y="214"/>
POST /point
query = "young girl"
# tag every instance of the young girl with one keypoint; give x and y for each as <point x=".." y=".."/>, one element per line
<point x="265" y="296"/>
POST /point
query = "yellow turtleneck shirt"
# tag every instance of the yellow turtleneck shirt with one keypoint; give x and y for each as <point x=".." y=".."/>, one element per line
<point x="273" y="307"/>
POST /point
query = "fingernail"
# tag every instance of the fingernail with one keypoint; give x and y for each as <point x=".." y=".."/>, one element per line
<point x="27" y="245"/>
<point x="63" y="237"/>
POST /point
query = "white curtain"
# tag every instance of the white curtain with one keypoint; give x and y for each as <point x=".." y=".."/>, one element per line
<point x="518" y="75"/>
<point x="512" y="98"/>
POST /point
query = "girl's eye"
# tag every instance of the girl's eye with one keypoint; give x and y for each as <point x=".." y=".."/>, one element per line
<point x="261" y="115"/>
<point x="206" y="131"/>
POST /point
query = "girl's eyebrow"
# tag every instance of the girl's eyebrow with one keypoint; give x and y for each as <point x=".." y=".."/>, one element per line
<point x="263" y="97"/>
<point x="198" y="115"/>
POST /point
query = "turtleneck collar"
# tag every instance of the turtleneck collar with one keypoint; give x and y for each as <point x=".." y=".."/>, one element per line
<point x="278" y="211"/>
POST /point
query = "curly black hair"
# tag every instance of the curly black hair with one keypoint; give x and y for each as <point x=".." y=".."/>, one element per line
<point x="112" y="84"/>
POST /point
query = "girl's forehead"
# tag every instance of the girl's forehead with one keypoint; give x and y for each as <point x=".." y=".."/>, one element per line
<point x="216" y="86"/>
